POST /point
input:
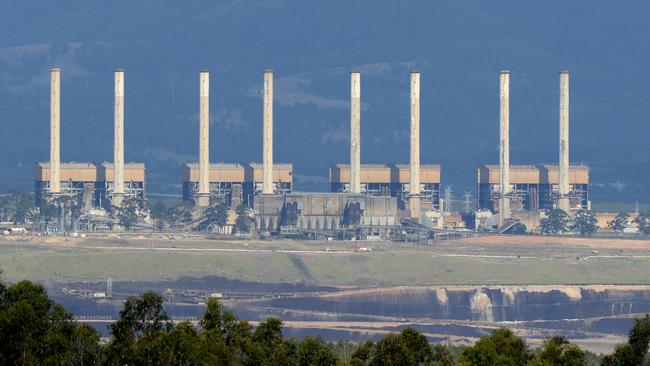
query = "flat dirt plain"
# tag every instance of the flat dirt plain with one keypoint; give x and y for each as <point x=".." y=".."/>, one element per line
<point x="452" y="289"/>
<point x="486" y="260"/>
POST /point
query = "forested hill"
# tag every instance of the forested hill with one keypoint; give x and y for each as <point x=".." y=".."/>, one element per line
<point x="458" y="45"/>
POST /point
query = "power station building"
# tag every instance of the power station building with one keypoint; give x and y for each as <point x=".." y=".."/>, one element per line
<point x="99" y="184"/>
<point x="235" y="183"/>
<point x="92" y="181"/>
<point x="532" y="187"/>
<point x="392" y="180"/>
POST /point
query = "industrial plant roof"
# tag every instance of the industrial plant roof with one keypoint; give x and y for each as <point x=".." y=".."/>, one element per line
<point x="87" y="165"/>
<point x="195" y="165"/>
<point x="535" y="166"/>
<point x="388" y="166"/>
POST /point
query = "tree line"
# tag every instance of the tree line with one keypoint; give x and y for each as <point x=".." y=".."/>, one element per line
<point x="34" y="330"/>
<point x="19" y="208"/>
<point x="585" y="223"/>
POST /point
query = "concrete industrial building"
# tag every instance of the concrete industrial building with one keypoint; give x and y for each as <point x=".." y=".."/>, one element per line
<point x="316" y="211"/>
<point x="235" y="183"/>
<point x="94" y="182"/>
<point x="415" y="186"/>
<point x="391" y="180"/>
<point x="504" y="189"/>
<point x="532" y="187"/>
<point x="99" y="184"/>
<point x="362" y="195"/>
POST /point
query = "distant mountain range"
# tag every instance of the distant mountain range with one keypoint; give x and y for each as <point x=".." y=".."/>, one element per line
<point x="458" y="45"/>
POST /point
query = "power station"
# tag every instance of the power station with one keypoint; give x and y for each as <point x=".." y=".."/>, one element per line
<point x="522" y="192"/>
<point x="99" y="185"/>
<point x="375" y="197"/>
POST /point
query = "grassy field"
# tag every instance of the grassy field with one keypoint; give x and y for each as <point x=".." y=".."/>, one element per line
<point x="387" y="265"/>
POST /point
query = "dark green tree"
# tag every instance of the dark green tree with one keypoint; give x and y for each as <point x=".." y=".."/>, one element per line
<point x="34" y="330"/>
<point x="391" y="350"/>
<point x="18" y="206"/>
<point x="158" y="213"/>
<point x="499" y="349"/>
<point x="343" y="350"/>
<point x="558" y="351"/>
<point x="643" y="223"/>
<point x="244" y="220"/>
<point x="585" y="222"/>
<point x="555" y="222"/>
<point x="619" y="223"/>
<point x="417" y="346"/>
<point x="214" y="215"/>
<point x="313" y="351"/>
<point x="47" y="213"/>
<point x="443" y="355"/>
<point x="182" y="346"/>
<point x="139" y="333"/>
<point x="363" y="354"/>
<point x="129" y="213"/>
<point x="635" y="351"/>
<point x="409" y="347"/>
<point x="180" y="215"/>
<point x="518" y="229"/>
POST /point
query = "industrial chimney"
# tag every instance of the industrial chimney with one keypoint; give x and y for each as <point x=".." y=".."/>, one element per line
<point x="414" y="186"/>
<point x="355" y="132"/>
<point x="267" y="179"/>
<point x="55" y="120"/>
<point x="118" y="152"/>
<point x="504" y="147"/>
<point x="563" y="201"/>
<point x="203" y="197"/>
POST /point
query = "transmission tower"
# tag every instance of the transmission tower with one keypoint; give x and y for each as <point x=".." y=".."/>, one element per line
<point x="468" y="202"/>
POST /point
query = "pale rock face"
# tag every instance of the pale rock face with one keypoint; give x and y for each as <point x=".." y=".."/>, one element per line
<point x="481" y="304"/>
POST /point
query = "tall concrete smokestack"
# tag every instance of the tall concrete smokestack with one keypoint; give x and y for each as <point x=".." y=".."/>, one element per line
<point x="203" y="198"/>
<point x="55" y="120"/>
<point x="267" y="179"/>
<point x="504" y="146"/>
<point x="355" y="132"/>
<point x="414" y="186"/>
<point x="563" y="202"/>
<point x="118" y="152"/>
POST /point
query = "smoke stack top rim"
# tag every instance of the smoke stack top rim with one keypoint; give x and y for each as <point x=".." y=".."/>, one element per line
<point x="504" y="72"/>
<point x="119" y="69"/>
<point x="564" y="71"/>
<point x="55" y="69"/>
<point x="268" y="71"/>
<point x="204" y="71"/>
<point x="355" y="71"/>
<point x="415" y="71"/>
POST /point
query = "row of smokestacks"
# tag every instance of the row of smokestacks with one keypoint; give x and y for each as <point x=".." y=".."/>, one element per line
<point x="504" y="145"/>
<point x="355" y="138"/>
<point x="203" y="196"/>
<point x="55" y="135"/>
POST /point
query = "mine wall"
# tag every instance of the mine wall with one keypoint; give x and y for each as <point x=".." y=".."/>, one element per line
<point x="480" y="304"/>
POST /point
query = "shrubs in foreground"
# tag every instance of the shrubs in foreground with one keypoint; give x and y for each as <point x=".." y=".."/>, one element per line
<point x="36" y="331"/>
